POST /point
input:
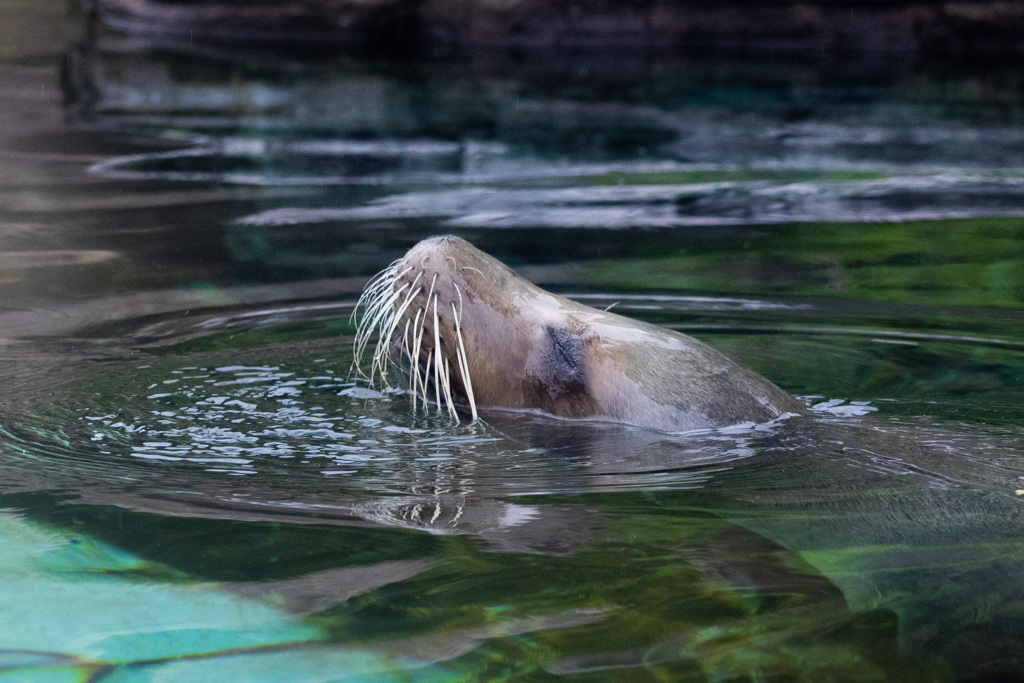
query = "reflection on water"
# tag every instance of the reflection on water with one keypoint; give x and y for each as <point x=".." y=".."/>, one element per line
<point x="266" y="120"/>
<point x="197" y="483"/>
<point x="235" y="425"/>
<point x="695" y="204"/>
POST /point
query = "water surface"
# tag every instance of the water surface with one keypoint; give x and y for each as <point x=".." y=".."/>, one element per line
<point x="196" y="484"/>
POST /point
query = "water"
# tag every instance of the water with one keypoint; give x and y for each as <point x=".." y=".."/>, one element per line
<point x="195" y="484"/>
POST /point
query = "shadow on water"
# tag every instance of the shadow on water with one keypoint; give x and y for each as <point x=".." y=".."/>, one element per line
<point x="195" y="484"/>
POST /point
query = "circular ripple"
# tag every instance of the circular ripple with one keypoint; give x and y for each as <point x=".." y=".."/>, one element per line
<point x="260" y="412"/>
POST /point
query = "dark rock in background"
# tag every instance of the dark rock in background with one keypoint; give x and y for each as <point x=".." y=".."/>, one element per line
<point x="444" y="27"/>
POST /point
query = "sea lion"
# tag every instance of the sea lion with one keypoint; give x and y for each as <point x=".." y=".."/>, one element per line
<point x="471" y="334"/>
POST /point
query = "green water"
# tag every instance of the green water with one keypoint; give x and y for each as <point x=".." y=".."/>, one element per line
<point x="194" y="485"/>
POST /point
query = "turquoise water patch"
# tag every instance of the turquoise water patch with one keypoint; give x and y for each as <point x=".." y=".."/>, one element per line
<point x="106" y="614"/>
<point x="112" y="614"/>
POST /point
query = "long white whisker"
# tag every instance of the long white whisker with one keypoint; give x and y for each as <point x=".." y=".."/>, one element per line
<point x="376" y="305"/>
<point x="384" y="280"/>
<point x="430" y="357"/>
<point x="446" y="382"/>
<point x="372" y="296"/>
<point x="370" y="310"/>
<point x="382" y="321"/>
<point x="387" y="326"/>
<point x="405" y="345"/>
<point x="374" y="314"/>
<point x="372" y="287"/>
<point x="410" y="343"/>
<point x="437" y="358"/>
<point x="415" y="360"/>
<point x="383" y="306"/>
<point x="401" y="309"/>
<point x="460" y="354"/>
<point x="431" y="292"/>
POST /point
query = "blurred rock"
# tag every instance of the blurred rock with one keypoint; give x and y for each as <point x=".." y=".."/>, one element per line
<point x="440" y="27"/>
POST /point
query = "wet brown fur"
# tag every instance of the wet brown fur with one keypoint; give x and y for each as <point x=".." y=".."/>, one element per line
<point x="528" y="349"/>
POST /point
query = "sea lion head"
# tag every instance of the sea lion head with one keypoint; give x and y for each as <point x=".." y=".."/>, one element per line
<point x="470" y="333"/>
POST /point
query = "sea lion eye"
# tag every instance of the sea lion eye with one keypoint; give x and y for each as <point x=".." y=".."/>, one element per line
<point x="567" y="346"/>
<point x="566" y="359"/>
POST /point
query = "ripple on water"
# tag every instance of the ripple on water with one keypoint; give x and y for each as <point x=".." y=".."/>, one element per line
<point x="295" y="433"/>
<point x="284" y="426"/>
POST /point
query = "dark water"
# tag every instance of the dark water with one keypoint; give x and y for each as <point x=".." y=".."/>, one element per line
<point x="195" y="485"/>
